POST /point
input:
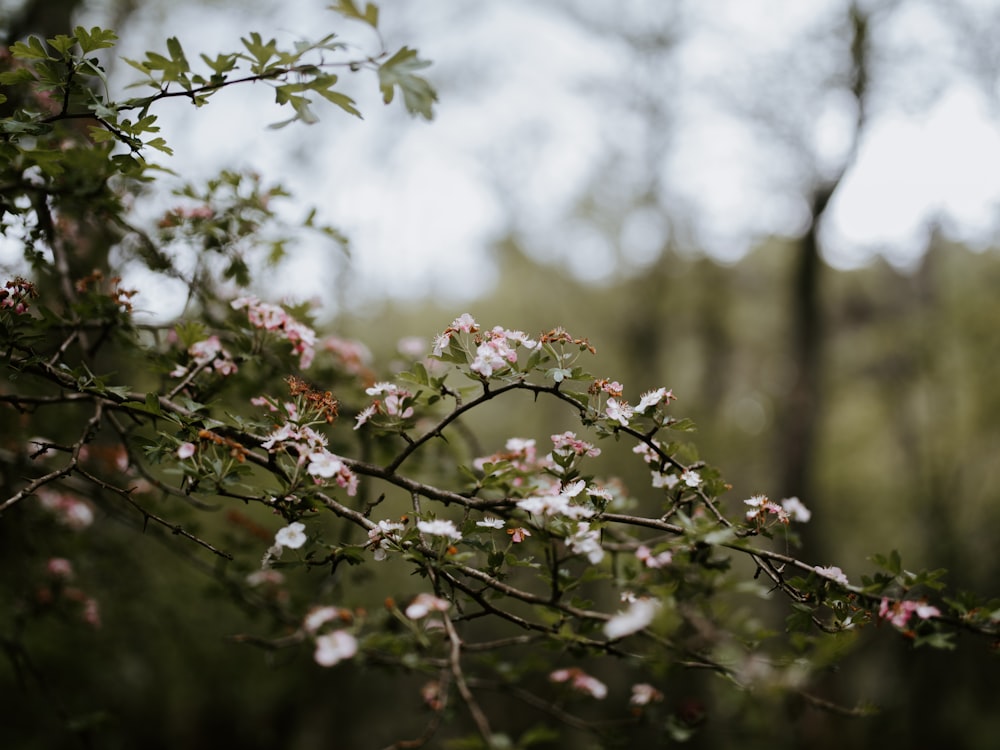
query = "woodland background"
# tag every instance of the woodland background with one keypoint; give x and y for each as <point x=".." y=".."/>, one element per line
<point x="869" y="393"/>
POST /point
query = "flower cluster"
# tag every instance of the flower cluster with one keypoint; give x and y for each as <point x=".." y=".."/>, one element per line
<point x="580" y="681"/>
<point x="310" y="448"/>
<point x="207" y="352"/>
<point x="277" y="320"/>
<point x="395" y="403"/>
<point x="424" y="604"/>
<point x="384" y="537"/>
<point x="69" y="510"/>
<point x="900" y="612"/>
<point x="463" y="323"/>
<point x="790" y="509"/>
<point x="334" y="646"/>
<point x="520" y="453"/>
<point x="16" y="295"/>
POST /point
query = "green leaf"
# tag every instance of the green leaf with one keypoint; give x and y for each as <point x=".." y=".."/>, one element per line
<point x="96" y="38"/>
<point x="343" y="101"/>
<point x="348" y="9"/>
<point x="399" y="70"/>
<point x="33" y="50"/>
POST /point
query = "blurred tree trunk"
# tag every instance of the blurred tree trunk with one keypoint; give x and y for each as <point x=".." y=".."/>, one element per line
<point x="799" y="423"/>
<point x="44" y="18"/>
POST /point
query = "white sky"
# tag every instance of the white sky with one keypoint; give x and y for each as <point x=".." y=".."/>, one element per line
<point x="536" y="108"/>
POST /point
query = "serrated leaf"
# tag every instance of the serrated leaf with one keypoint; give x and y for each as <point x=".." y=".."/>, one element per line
<point x="96" y="38"/>
<point x="400" y="70"/>
<point x="343" y="101"/>
<point x="348" y="9"/>
<point x="32" y="50"/>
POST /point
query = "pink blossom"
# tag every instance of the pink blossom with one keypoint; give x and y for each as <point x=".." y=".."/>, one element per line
<point x="518" y="535"/>
<point x="365" y="414"/>
<point x="899" y="613"/>
<point x="653" y="398"/>
<point x="334" y="647"/>
<point x="647" y="558"/>
<point x="68" y="510"/>
<point x="568" y="443"/>
<point x="580" y="681"/>
<point x="424" y="604"/>
<point x="465" y="322"/>
<point x="619" y="411"/>
<point x="186" y="450"/>
<point x="60" y="567"/>
<point x="489" y="359"/>
<point x="643" y="694"/>
<point x="394" y="405"/>
<point x="383" y="536"/>
<point x="319" y="616"/>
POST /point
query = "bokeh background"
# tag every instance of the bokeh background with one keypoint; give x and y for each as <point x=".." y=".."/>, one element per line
<point x="786" y="212"/>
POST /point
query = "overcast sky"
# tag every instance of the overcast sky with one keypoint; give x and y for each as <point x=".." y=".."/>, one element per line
<point x="544" y="103"/>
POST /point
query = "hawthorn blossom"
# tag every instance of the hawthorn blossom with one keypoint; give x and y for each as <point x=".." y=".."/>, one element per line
<point x="691" y="478"/>
<point x="648" y="452"/>
<point x="382" y="387"/>
<point x="207" y="351"/>
<point x="440" y="343"/>
<point x="659" y="479"/>
<point x="444" y="528"/>
<point x="518" y="535"/>
<point x="68" y="510"/>
<point x="185" y="450"/>
<point x="490" y="357"/>
<point x="277" y="320"/>
<point x="567" y="443"/>
<point x="491" y="522"/>
<point x="319" y="616"/>
<point x="653" y="398"/>
<point x="334" y="647"/>
<point x="520" y="452"/>
<point x="619" y="411"/>
<point x="580" y="681"/>
<point x="15" y="295"/>
<point x="554" y="505"/>
<point x="292" y="536"/>
<point x="353" y="355"/>
<point x="325" y="465"/>
<point x="464" y="322"/>
<point x="638" y="615"/>
<point x="647" y="558"/>
<point x="643" y="694"/>
<point x="394" y="405"/>
<point x="265" y="576"/>
<point x="586" y="541"/>
<point x="899" y="613"/>
<point x="424" y="604"/>
<point x="833" y="573"/>
<point x="796" y="510"/>
<point x="59" y="567"/>
<point x="383" y="536"/>
<point x="365" y="414"/>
